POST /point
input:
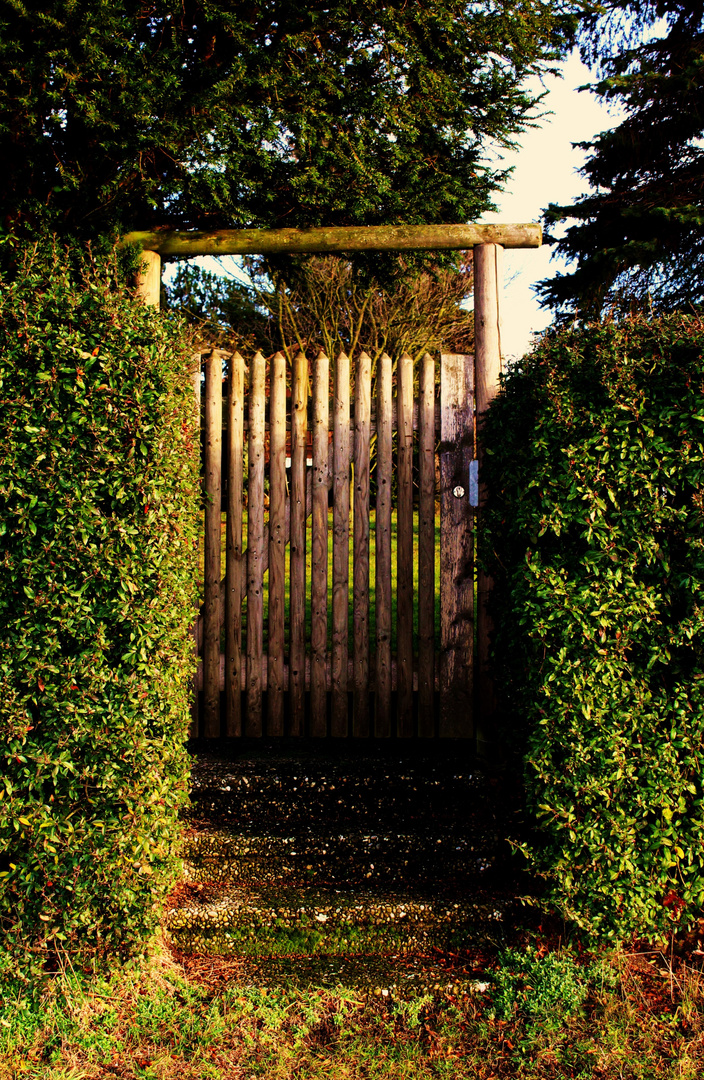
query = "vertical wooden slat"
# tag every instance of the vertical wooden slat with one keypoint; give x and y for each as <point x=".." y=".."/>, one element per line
<point x="488" y="285"/>
<point x="341" y="545"/>
<point x="456" y="547"/>
<point x="213" y="498"/>
<point x="233" y="551"/>
<point x="297" y="607"/>
<point x="362" y="432"/>
<point x="404" y="603"/>
<point x="319" y="567"/>
<point x="197" y="370"/>
<point x="384" y="468"/>
<point x="277" y="544"/>
<point x="255" y="546"/>
<point x="426" y="548"/>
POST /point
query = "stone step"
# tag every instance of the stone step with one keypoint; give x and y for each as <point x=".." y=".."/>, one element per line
<point x="366" y="858"/>
<point x="400" y="976"/>
<point x="275" y="793"/>
<point x="238" y="919"/>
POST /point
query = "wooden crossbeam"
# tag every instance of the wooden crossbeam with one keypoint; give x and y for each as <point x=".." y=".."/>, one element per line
<point x="342" y="238"/>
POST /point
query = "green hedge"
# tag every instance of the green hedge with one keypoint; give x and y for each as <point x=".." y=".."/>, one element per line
<point x="97" y="528"/>
<point x="596" y="533"/>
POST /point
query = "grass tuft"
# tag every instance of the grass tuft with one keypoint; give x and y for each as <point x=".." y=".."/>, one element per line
<point x="535" y="1013"/>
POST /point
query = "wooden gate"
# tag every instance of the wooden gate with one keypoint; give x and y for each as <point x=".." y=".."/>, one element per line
<point x="339" y="499"/>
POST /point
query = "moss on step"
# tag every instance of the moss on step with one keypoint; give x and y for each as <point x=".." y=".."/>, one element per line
<point x="249" y="922"/>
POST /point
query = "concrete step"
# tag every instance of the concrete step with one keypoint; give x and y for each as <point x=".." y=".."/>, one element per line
<point x="360" y="857"/>
<point x="239" y="919"/>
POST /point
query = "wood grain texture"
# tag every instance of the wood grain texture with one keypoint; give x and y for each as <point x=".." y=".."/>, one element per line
<point x="149" y="279"/>
<point x="488" y="287"/>
<point x="197" y="628"/>
<point x="255" y="546"/>
<point x="336" y="238"/>
<point x="426" y="549"/>
<point x="341" y="547"/>
<point x="277" y="544"/>
<point x="404" y="547"/>
<point x="488" y="274"/>
<point x="213" y="499"/>
<point x="287" y="674"/>
<point x="384" y="468"/>
<point x="319" y="567"/>
<point x="362" y="433"/>
<point x="297" y="625"/>
<point x="233" y="550"/>
<point x="456" y="547"/>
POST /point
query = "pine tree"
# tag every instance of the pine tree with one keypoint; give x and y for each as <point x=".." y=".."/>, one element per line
<point x="194" y="114"/>
<point x="637" y="237"/>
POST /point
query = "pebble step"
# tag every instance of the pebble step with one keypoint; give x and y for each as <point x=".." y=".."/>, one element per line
<point x="398" y="975"/>
<point x="392" y="974"/>
<point x="226" y="919"/>
<point x="379" y="869"/>
<point x="351" y="858"/>
<point x="281" y="792"/>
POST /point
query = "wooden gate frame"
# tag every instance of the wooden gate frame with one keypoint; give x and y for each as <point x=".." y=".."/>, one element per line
<point x="486" y="241"/>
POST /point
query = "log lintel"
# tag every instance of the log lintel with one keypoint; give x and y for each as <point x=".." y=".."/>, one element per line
<point x="335" y="239"/>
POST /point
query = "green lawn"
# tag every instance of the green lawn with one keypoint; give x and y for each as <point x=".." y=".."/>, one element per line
<point x="555" y="1014"/>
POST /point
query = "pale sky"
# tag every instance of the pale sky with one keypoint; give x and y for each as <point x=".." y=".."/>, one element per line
<point x="545" y="171"/>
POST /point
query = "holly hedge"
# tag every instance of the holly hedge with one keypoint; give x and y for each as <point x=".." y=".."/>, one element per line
<point x="595" y="538"/>
<point x="98" y="473"/>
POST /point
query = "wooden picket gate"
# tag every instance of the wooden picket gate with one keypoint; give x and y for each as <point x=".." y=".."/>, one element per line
<point x="457" y="666"/>
<point x="304" y="673"/>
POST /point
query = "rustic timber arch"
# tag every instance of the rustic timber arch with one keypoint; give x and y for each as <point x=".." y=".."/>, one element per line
<point x="487" y="243"/>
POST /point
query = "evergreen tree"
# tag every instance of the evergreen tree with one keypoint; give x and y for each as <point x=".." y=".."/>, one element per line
<point x="207" y="113"/>
<point x="637" y="237"/>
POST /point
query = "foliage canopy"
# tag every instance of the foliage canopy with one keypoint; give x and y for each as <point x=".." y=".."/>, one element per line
<point x="637" y="237"/>
<point x="136" y="113"/>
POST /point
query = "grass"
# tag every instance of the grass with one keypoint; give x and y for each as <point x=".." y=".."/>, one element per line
<point x="372" y="572"/>
<point x="534" y="1013"/>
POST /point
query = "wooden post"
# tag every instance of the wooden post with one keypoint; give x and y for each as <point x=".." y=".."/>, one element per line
<point x="277" y="544"/>
<point x="456" y="547"/>
<point x="341" y="546"/>
<point x="488" y="285"/>
<point x="297" y="616"/>
<point x="213" y="499"/>
<point x="384" y="469"/>
<point x="233" y="550"/>
<point x="360" y="575"/>
<point x="426" y="548"/>
<point x="149" y="279"/>
<point x="404" y="535"/>
<point x="255" y="546"/>
<point x="196" y="376"/>
<point x="319" y="567"/>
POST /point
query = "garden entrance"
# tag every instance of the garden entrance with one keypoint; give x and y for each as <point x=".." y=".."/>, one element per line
<point x="340" y="577"/>
<point x="341" y="499"/>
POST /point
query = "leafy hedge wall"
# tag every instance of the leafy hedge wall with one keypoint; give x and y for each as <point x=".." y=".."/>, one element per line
<point x="596" y="527"/>
<point x="97" y="479"/>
